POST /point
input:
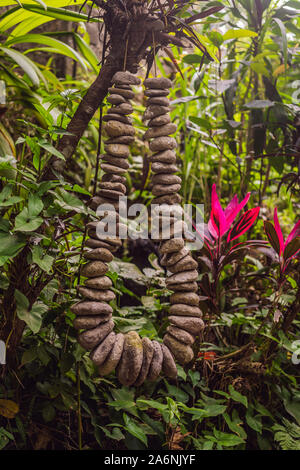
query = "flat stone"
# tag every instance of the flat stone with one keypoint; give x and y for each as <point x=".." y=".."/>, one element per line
<point x="162" y="178"/>
<point x="156" y="363"/>
<point x="99" y="254"/>
<point x="91" y="338"/>
<point x="168" y="366"/>
<point x="175" y="257"/>
<point x="101" y="351"/>
<point x="131" y="361"/>
<point x="115" y="161"/>
<point x="181" y="335"/>
<point x="113" y="186"/>
<point x="98" y="295"/>
<point x="162" y="189"/>
<point x="152" y="92"/>
<point x="109" y="193"/>
<point x="160" y="100"/>
<point x="125" y="78"/>
<point x="185" y="264"/>
<point x="116" y="129"/>
<point x="157" y="83"/>
<point x="148" y="351"/>
<point x="123" y="108"/>
<point x="113" y="178"/>
<point x="167" y="156"/>
<point x="113" y="358"/>
<point x="91" y="243"/>
<point x="122" y="139"/>
<point x="116" y="99"/>
<point x="129" y="94"/>
<point x="97" y="201"/>
<point x="183" y="353"/>
<point x="108" y="168"/>
<point x="94" y="269"/>
<point x="88" y="322"/>
<point x="118" y="117"/>
<point x="91" y="308"/>
<point x="171" y="199"/>
<point x="160" y="131"/>
<point x="101" y="283"/>
<point x="193" y="325"/>
<point x="185" y="310"/>
<point x="170" y="246"/>
<point x="153" y="111"/>
<point x="184" y="287"/>
<point x="118" y="150"/>
<point x="160" y="120"/>
<point x="162" y="143"/>
<point x="181" y="278"/>
<point x="158" y="167"/>
<point x="188" y="298"/>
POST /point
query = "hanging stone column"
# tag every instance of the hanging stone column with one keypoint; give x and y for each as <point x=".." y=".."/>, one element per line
<point x="185" y="315"/>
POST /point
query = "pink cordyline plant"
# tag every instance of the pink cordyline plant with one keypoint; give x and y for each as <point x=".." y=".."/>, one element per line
<point x="286" y="250"/>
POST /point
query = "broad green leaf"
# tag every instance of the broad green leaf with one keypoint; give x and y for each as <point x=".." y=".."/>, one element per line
<point x="10" y="244"/>
<point x="24" y="62"/>
<point x="239" y="33"/>
<point x="43" y="260"/>
<point x="35" y="205"/>
<point x="49" y="148"/>
<point x="237" y="396"/>
<point x="133" y="428"/>
<point x="24" y="222"/>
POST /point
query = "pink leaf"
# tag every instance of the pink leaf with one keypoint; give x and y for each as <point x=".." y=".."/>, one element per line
<point x="243" y="224"/>
<point x="234" y="208"/>
<point x="278" y="231"/>
<point x="217" y="222"/>
<point x="294" y="233"/>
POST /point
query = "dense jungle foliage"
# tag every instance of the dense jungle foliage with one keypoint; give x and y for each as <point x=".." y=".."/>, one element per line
<point x="236" y="102"/>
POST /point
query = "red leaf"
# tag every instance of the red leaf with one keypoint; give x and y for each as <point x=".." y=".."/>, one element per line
<point x="291" y="249"/>
<point x="243" y="224"/>
<point x="272" y="236"/>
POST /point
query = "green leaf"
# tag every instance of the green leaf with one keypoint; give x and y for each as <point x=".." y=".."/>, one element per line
<point x="284" y="39"/>
<point x="35" y="205"/>
<point x="24" y="222"/>
<point x="239" y="33"/>
<point x="272" y="236"/>
<point x="32" y="318"/>
<point x="43" y="260"/>
<point x="10" y="245"/>
<point x="237" y="396"/>
<point x="254" y="422"/>
<point x="24" y="62"/>
<point x="52" y="150"/>
<point x="228" y="440"/>
<point x="133" y="428"/>
<point x="193" y="59"/>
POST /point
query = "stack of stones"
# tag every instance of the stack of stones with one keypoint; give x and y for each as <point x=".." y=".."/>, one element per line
<point x="185" y="314"/>
<point x="135" y="359"/>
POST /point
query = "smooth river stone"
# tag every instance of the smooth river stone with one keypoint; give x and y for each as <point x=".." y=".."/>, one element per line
<point x="129" y="94"/>
<point x="193" y="325"/>
<point x="148" y="351"/>
<point x="125" y="78"/>
<point x="114" y="179"/>
<point x="162" y="143"/>
<point x="122" y="139"/>
<point x="160" y="120"/>
<point x="160" y="100"/>
<point x="167" y="156"/>
<point x="162" y="178"/>
<point x="160" y="131"/>
<point x="188" y="298"/>
<point x="99" y="200"/>
<point x="182" y="352"/>
<point x="101" y="351"/>
<point x="173" y="258"/>
<point x="158" y="82"/>
<point x="118" y="150"/>
<point x="185" y="264"/>
<point x="116" y="99"/>
<point x="151" y="92"/>
<point x="184" y="287"/>
<point x="94" y="269"/>
<point x="170" y="199"/>
<point x="168" y="366"/>
<point x="153" y="111"/>
<point x="99" y="254"/>
<point x="162" y="189"/>
<point x="88" y="322"/>
<point x="124" y="108"/>
<point x="158" y="167"/>
<point x="91" y="308"/>
<point x="110" y="193"/>
<point x="108" y="168"/>
<point x="91" y="338"/>
<point x="156" y="363"/>
<point x="113" y="358"/>
<point x="116" y="129"/>
<point x="181" y="335"/>
<point x="100" y="244"/>
<point x="182" y="278"/>
<point x="101" y="283"/>
<point x="113" y="186"/>
<point x="170" y="246"/>
<point x="118" y="117"/>
<point x="115" y="161"/>
<point x="131" y="361"/>
<point x="98" y="295"/>
<point x="185" y="310"/>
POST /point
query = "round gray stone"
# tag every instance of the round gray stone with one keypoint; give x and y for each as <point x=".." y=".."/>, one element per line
<point x="99" y="254"/>
<point x="156" y="363"/>
<point x="91" y="308"/>
<point x="181" y="335"/>
<point x="91" y="338"/>
<point x="171" y="246"/>
<point x="182" y="278"/>
<point x="160" y="131"/>
<point x="113" y="358"/>
<point x="148" y="351"/>
<point x="100" y="353"/>
<point x="188" y="298"/>
<point x="102" y="282"/>
<point x="94" y="269"/>
<point x="193" y="325"/>
<point x="98" y="295"/>
<point x="159" y="120"/>
<point x="118" y="150"/>
<point x="162" y="143"/>
<point x="167" y="156"/>
<point x="131" y="361"/>
<point x="185" y="310"/>
<point x="116" y="129"/>
<point x="168" y="366"/>
<point x="183" y="353"/>
<point x="88" y="322"/>
<point x="157" y="83"/>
